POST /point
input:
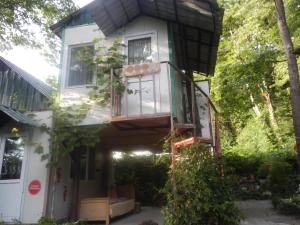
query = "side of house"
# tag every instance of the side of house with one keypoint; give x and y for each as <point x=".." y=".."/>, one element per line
<point x="23" y="176"/>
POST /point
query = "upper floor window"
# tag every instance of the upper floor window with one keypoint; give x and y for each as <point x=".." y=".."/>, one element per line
<point x="139" y="51"/>
<point x="80" y="71"/>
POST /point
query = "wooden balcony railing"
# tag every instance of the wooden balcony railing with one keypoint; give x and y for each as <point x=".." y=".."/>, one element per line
<point x="172" y="93"/>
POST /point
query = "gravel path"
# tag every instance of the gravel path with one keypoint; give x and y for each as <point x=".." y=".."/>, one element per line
<point x="261" y="212"/>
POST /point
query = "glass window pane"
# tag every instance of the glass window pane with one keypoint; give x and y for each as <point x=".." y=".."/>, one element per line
<point x="81" y="65"/>
<point x="139" y="51"/>
<point x="12" y="159"/>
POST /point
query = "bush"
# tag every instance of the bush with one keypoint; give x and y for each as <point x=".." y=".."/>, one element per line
<point x="202" y="196"/>
<point x="260" y="175"/>
<point x="288" y="206"/>
<point x="146" y="174"/>
<point x="279" y="178"/>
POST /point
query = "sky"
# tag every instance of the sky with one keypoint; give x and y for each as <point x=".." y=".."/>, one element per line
<point x="31" y="60"/>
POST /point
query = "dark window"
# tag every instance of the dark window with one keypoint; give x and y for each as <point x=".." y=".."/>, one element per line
<point x="81" y="65"/>
<point x="87" y="165"/>
<point x="139" y="51"/>
<point x="12" y="159"/>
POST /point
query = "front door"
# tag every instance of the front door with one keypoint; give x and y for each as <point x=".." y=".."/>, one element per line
<point x="11" y="176"/>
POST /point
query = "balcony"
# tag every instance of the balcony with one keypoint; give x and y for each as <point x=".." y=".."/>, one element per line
<point x="165" y="98"/>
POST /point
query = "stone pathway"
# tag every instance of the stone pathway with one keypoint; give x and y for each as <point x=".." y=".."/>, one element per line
<point x="256" y="212"/>
<point x="261" y="212"/>
<point x="147" y="213"/>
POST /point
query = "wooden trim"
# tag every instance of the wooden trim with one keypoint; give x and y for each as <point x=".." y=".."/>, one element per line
<point x="139" y="117"/>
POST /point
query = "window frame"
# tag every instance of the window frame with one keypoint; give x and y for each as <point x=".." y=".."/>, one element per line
<point x="24" y="160"/>
<point x="137" y="36"/>
<point x="70" y="47"/>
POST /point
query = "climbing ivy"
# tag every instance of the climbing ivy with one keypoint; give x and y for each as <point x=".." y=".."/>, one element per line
<point x="107" y="62"/>
<point x="67" y="132"/>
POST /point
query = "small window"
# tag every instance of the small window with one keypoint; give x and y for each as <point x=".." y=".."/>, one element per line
<point x="81" y="65"/>
<point x="12" y="159"/>
<point x="139" y="51"/>
<point x="87" y="165"/>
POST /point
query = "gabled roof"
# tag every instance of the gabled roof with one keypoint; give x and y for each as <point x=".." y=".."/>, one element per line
<point x="36" y="83"/>
<point x="6" y="113"/>
<point x="196" y="23"/>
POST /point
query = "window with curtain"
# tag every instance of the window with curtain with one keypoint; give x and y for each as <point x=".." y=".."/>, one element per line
<point x="139" y="51"/>
<point x="81" y="66"/>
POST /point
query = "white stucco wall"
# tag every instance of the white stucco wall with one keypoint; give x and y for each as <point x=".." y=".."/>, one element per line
<point x="32" y="207"/>
<point x="85" y="34"/>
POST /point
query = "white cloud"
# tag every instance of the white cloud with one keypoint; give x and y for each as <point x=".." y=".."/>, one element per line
<point x="31" y="61"/>
<point x="81" y="3"/>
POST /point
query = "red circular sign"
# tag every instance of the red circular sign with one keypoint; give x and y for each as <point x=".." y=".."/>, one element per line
<point x="34" y="187"/>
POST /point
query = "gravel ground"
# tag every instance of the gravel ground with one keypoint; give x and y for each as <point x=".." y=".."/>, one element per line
<point x="256" y="212"/>
<point x="261" y="212"/>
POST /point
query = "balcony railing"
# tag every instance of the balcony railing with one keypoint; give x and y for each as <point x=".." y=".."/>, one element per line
<point x="172" y="93"/>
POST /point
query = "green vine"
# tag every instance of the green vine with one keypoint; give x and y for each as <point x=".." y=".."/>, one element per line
<point x="67" y="134"/>
<point x="106" y="60"/>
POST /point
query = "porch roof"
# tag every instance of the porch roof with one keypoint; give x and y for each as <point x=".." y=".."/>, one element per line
<point x="196" y="25"/>
<point x="7" y="114"/>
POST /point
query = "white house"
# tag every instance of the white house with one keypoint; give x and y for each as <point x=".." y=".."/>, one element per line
<point x="166" y="42"/>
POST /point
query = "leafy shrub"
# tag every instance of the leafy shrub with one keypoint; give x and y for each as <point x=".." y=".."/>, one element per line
<point x="288" y="206"/>
<point x="201" y="195"/>
<point x="279" y="179"/>
<point x="254" y="176"/>
<point x="146" y="174"/>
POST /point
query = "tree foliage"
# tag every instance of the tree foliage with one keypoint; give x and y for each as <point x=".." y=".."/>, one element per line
<point x="27" y="23"/>
<point x="251" y="81"/>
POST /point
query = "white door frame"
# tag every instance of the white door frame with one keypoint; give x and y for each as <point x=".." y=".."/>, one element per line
<point x="22" y="176"/>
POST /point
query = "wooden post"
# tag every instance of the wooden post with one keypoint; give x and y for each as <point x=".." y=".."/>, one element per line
<point x="174" y="153"/>
<point x="218" y="144"/>
<point x="193" y="107"/>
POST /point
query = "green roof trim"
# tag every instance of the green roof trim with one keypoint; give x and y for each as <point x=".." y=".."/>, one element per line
<point x="17" y="116"/>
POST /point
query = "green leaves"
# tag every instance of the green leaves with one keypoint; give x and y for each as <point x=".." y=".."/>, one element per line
<point x="106" y="60"/>
<point x="202" y="196"/>
<point x="250" y="68"/>
<point x="21" y="19"/>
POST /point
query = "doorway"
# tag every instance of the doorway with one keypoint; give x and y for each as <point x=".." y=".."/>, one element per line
<point x="12" y="164"/>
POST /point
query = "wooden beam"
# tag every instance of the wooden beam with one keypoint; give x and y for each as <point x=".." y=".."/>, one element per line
<point x="125" y="11"/>
<point x="140" y="6"/>
<point x="156" y="6"/>
<point x="175" y="10"/>
<point x="110" y="16"/>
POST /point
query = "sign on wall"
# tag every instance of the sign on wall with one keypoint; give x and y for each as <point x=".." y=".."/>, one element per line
<point x="34" y="187"/>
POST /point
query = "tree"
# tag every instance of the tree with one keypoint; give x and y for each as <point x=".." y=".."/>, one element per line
<point x="21" y="20"/>
<point x="251" y="83"/>
<point x="293" y="72"/>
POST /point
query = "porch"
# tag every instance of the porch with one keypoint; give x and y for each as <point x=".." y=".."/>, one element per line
<point x="159" y="97"/>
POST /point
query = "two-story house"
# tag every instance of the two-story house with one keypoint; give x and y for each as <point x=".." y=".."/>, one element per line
<point x="167" y="41"/>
